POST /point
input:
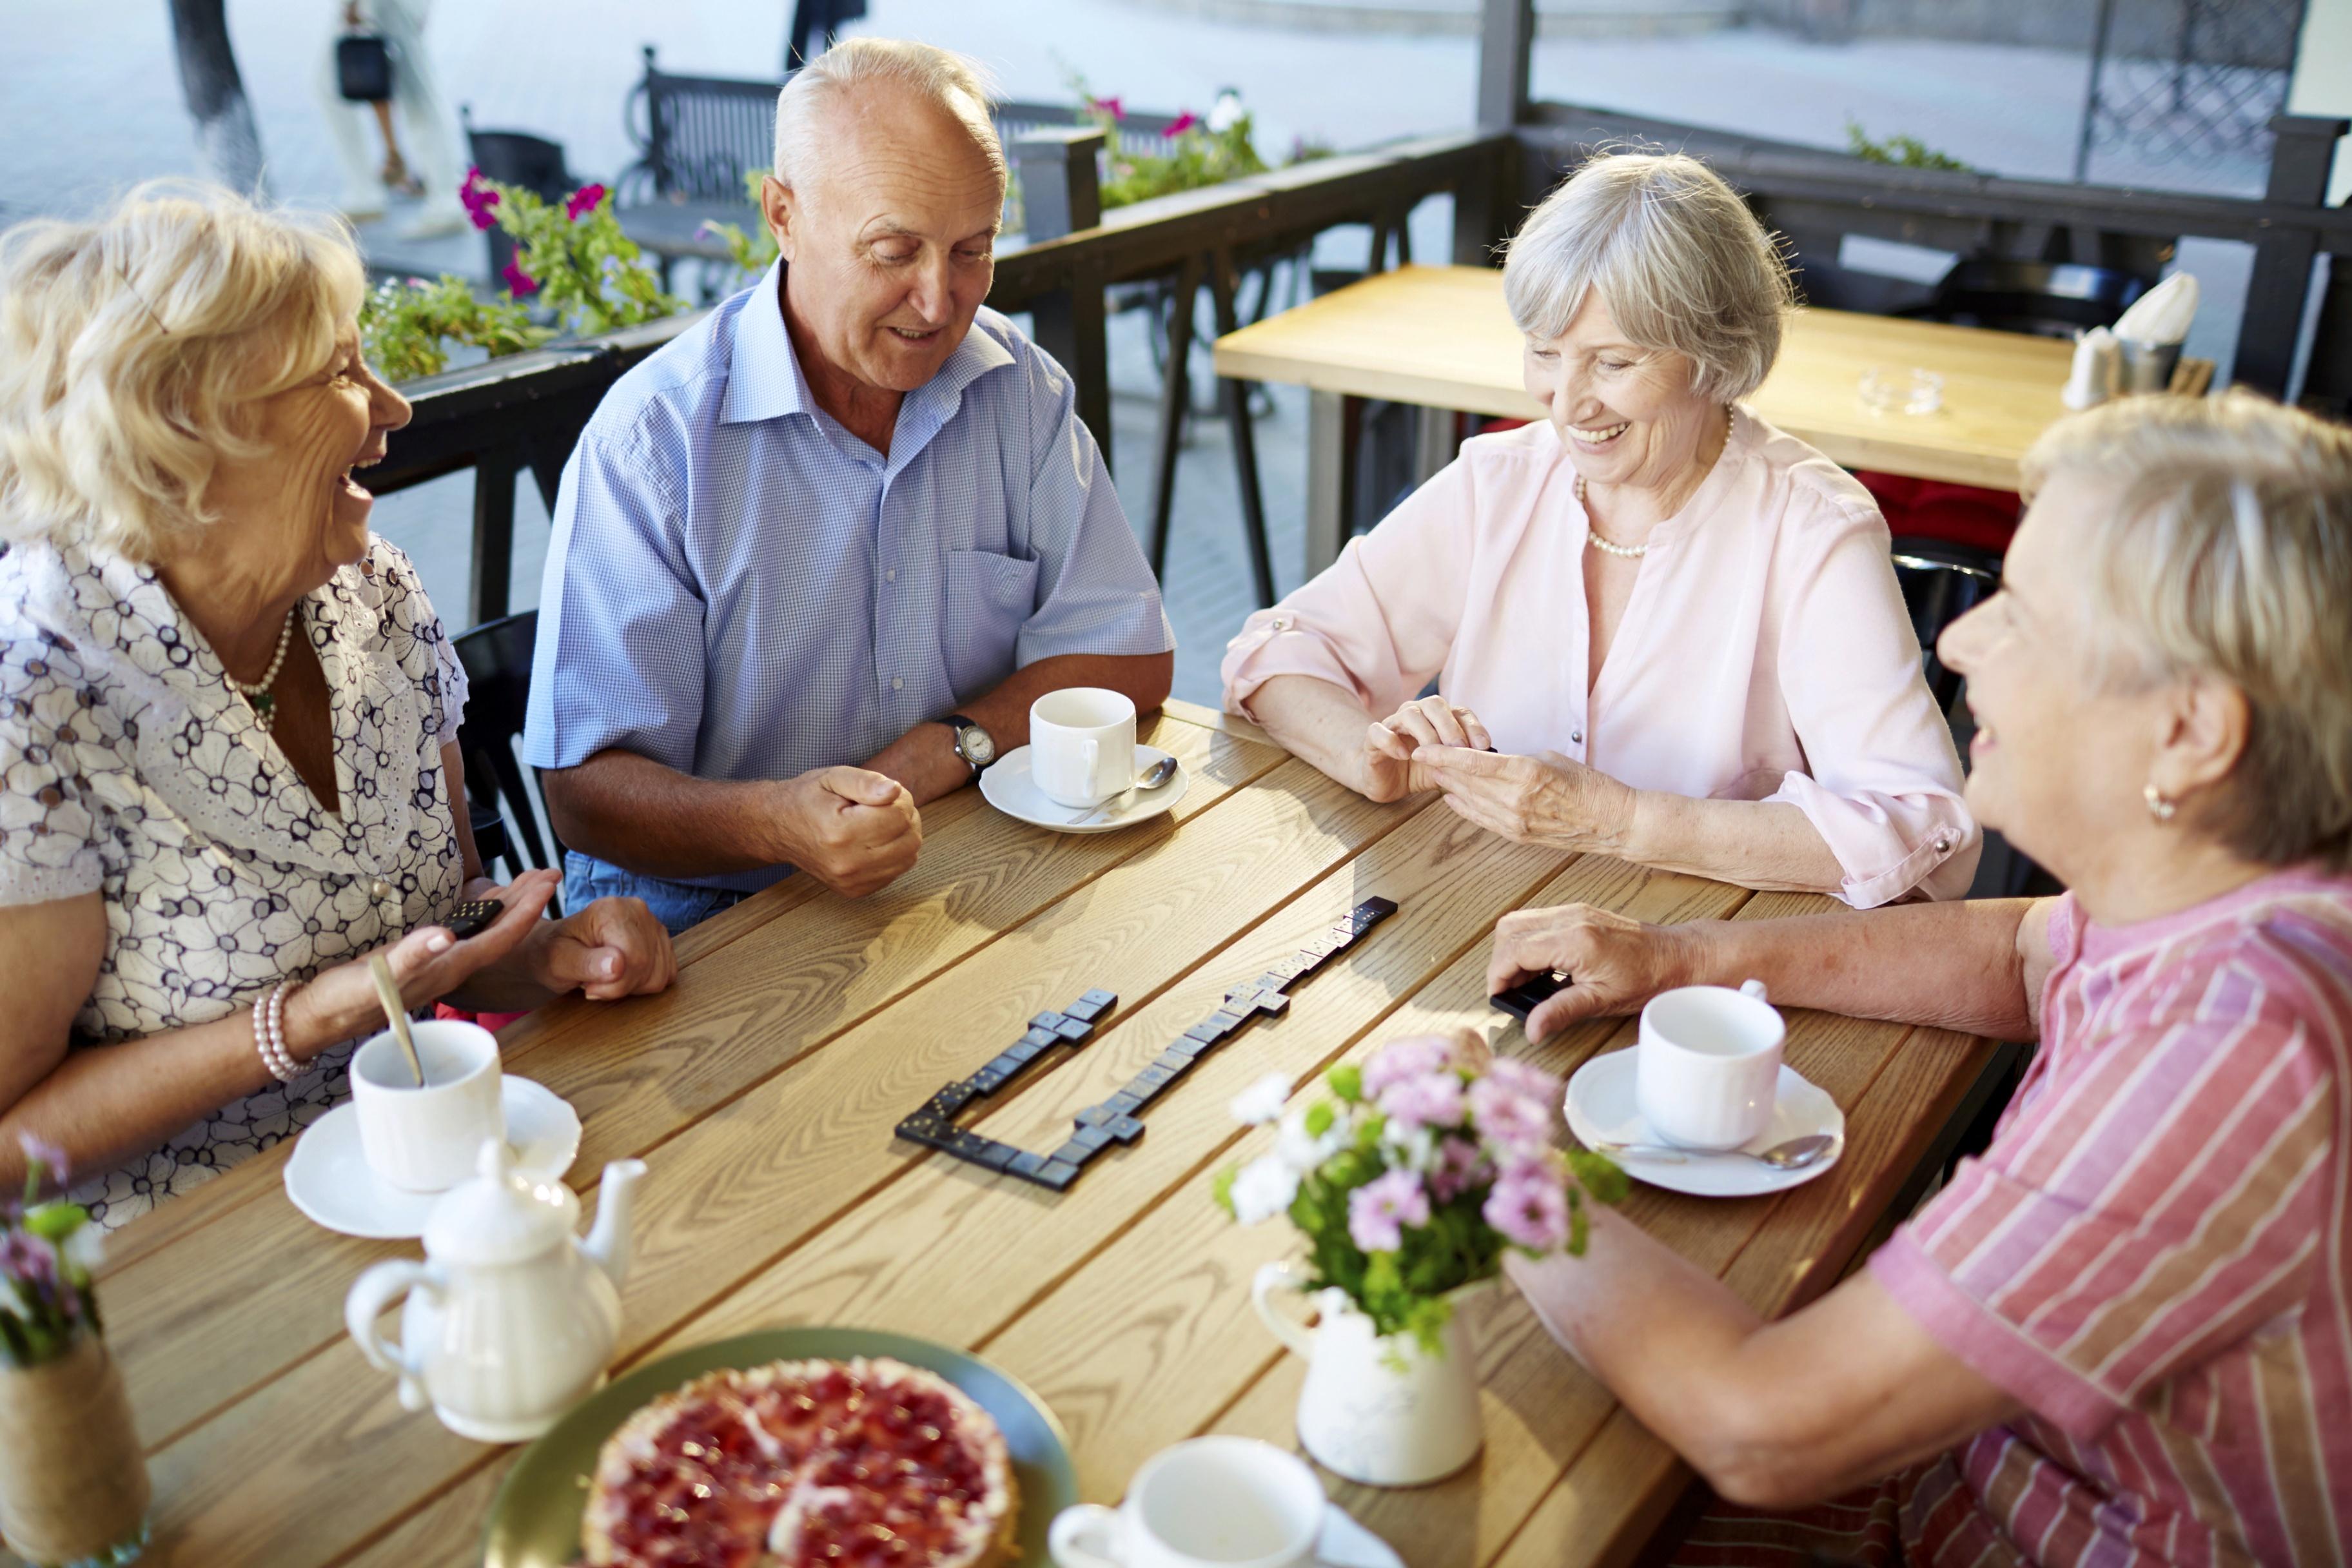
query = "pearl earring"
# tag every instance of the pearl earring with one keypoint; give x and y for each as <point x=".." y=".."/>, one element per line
<point x="2158" y="805"/>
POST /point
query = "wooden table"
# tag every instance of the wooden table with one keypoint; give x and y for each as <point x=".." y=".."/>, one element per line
<point x="761" y="1090"/>
<point x="1440" y="338"/>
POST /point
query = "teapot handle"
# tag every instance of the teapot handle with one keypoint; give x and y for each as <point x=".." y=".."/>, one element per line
<point x="372" y="1294"/>
<point x="1281" y="1276"/>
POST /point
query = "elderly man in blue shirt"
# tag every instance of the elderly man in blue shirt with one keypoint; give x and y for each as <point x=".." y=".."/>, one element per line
<point x="814" y="560"/>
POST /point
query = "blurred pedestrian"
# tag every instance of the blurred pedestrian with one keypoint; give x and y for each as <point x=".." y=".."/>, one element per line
<point x="432" y="170"/>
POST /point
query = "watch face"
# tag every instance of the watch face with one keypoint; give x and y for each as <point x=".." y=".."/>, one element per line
<point x="977" y="745"/>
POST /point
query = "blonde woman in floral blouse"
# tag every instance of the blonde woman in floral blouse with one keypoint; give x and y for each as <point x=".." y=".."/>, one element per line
<point x="228" y="712"/>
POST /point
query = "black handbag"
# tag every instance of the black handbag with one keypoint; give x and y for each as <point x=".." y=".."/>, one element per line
<point x="363" y="68"/>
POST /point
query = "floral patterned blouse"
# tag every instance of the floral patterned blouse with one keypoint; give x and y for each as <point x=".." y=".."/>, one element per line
<point x="130" y="768"/>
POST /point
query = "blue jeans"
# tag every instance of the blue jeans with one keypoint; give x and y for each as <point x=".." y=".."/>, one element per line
<point x="677" y="905"/>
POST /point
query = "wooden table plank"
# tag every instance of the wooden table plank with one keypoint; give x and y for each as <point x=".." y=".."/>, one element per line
<point x="744" y="1183"/>
<point x="813" y="969"/>
<point x="1440" y="337"/>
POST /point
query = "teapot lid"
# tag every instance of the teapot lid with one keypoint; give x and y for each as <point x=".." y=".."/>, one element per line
<point x="501" y="1215"/>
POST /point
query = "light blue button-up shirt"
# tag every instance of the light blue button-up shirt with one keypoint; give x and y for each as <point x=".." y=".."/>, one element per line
<point x="739" y="589"/>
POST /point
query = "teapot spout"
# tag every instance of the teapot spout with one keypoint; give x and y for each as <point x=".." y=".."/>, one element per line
<point x="608" y="1240"/>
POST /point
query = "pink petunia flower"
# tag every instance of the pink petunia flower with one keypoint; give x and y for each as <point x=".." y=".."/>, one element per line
<point x="1529" y="1208"/>
<point x="519" y="282"/>
<point x="479" y="200"/>
<point x="1109" y="106"/>
<point x="1379" y="1211"/>
<point x="1460" y="1167"/>
<point x="1431" y="1099"/>
<point x="48" y="1156"/>
<point x="582" y="201"/>
<point x="1507" y="1119"/>
<point x="1183" y="122"/>
<point x="1402" y="1060"/>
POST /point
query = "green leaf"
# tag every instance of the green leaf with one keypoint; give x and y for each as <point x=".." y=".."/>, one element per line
<point x="1319" y="1117"/>
<point x="53" y="1222"/>
<point x="1347" y="1081"/>
<point x="1599" y="1175"/>
<point x="1222" y="1189"/>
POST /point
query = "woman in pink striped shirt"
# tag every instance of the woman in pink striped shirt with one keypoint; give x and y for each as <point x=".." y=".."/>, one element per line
<point x="2123" y="1334"/>
<point x="1680" y="623"/>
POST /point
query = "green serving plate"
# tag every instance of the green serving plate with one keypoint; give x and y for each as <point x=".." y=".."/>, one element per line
<point x="535" y="1518"/>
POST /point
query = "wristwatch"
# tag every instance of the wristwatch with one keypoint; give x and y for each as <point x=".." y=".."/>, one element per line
<point x="975" y="746"/>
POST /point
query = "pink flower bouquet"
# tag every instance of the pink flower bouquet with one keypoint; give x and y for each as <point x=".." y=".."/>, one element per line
<point x="46" y="1253"/>
<point x="1416" y="1175"/>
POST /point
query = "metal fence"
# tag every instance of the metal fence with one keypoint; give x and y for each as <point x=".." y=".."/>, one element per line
<point x="2187" y="81"/>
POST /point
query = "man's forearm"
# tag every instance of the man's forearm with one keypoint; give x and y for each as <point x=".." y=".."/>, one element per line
<point x="1952" y="965"/>
<point x="642" y="816"/>
<point x="924" y="759"/>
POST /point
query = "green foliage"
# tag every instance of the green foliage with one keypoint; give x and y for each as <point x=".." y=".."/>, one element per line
<point x="406" y="328"/>
<point x="1347" y="1081"/>
<point x="1222" y="1188"/>
<point x="751" y="256"/>
<point x="1904" y="151"/>
<point x="45" y="1256"/>
<point x="590" y="274"/>
<point x="1402" y="1291"/>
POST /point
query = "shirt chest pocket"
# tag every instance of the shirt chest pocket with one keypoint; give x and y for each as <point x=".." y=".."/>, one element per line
<point x="989" y="597"/>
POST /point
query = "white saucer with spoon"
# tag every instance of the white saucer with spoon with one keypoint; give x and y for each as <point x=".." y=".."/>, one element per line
<point x="1604" y="1114"/>
<point x="1011" y="788"/>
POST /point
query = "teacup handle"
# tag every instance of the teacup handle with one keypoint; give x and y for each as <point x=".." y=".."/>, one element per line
<point x="1753" y="988"/>
<point x="1083" y="1535"/>
<point x="372" y="1294"/>
<point x="1281" y="1276"/>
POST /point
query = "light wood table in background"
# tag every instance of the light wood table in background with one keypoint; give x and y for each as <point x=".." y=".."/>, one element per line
<point x="763" y="1089"/>
<point x="1440" y="338"/>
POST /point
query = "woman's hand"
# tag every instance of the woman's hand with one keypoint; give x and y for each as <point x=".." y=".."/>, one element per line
<point x="1613" y="964"/>
<point x="340" y="1004"/>
<point x="1390" y="744"/>
<point x="1542" y="799"/>
<point x="611" y="949"/>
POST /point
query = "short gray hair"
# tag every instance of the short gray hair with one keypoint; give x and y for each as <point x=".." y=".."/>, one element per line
<point x="2229" y="556"/>
<point x="1681" y="262"/>
<point x="133" y="345"/>
<point x="959" y="87"/>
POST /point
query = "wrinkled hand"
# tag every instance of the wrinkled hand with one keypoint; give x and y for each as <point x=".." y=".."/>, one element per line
<point x="340" y="1004"/>
<point x="853" y="830"/>
<point x="1390" y="744"/>
<point x="1613" y="964"/>
<point x="611" y="949"/>
<point x="1543" y="799"/>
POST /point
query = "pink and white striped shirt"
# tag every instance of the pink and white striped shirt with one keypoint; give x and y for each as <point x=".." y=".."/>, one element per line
<point x="2152" y="1253"/>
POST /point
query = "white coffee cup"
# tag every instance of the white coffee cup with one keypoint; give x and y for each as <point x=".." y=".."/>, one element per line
<point x="1707" y="1071"/>
<point x="1209" y="1502"/>
<point x="428" y="1140"/>
<point x="1082" y="744"/>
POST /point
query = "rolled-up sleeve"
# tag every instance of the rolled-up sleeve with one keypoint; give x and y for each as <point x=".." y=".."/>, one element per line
<point x="1096" y="593"/>
<point x="620" y="657"/>
<point x="1381" y="621"/>
<point x="1882" y="782"/>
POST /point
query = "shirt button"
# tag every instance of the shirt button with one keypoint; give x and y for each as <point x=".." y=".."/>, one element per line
<point x="891" y="576"/>
<point x="1943" y="846"/>
<point x="1280" y="622"/>
<point x="1576" y="737"/>
<point x="898" y="683"/>
<point x="379" y="890"/>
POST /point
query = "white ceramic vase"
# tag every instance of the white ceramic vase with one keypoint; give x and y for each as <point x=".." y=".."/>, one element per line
<point x="1379" y="1409"/>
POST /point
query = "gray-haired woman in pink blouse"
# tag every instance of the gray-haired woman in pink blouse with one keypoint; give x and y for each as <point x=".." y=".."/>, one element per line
<point x="1678" y="624"/>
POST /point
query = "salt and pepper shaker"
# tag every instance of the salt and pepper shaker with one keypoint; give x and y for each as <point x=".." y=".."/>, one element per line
<point x="2098" y="360"/>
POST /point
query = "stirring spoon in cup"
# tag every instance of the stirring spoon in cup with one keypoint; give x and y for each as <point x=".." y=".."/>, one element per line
<point x="388" y="993"/>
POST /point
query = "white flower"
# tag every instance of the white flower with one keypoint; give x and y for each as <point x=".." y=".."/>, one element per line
<point x="1301" y="1149"/>
<point x="1262" y="1101"/>
<point x="1263" y="1189"/>
<point x="86" y="1249"/>
<point x="1416" y="1147"/>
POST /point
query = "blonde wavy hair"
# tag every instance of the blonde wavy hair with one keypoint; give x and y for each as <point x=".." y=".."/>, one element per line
<point x="2229" y="556"/>
<point x="132" y="345"/>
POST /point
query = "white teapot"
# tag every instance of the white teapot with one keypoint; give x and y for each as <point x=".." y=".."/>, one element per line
<point x="511" y="1316"/>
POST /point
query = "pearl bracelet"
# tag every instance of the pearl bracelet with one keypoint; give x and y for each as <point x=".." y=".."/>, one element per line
<point x="269" y="1035"/>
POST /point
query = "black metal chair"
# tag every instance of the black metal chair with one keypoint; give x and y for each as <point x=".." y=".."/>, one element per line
<point x="1942" y="581"/>
<point x="2048" y="299"/>
<point x="516" y="158"/>
<point x="497" y="656"/>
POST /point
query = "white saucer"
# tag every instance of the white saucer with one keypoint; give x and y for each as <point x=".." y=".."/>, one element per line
<point x="1346" y="1543"/>
<point x="1010" y="788"/>
<point x="1600" y="1110"/>
<point x="329" y="1179"/>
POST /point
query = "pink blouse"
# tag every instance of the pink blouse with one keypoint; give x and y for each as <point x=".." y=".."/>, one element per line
<point x="1766" y="653"/>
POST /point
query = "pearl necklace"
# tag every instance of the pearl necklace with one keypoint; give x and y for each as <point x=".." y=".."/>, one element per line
<point x="1631" y="551"/>
<point x="257" y="693"/>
